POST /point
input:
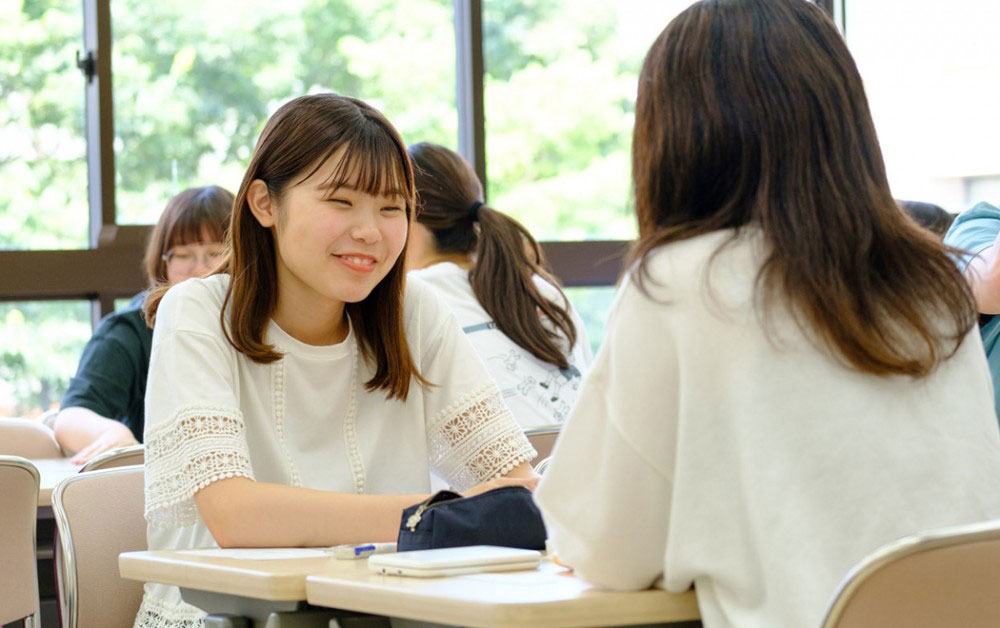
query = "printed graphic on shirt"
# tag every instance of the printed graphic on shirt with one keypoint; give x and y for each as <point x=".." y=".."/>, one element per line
<point x="543" y="384"/>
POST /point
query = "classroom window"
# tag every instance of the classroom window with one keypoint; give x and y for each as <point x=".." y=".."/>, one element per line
<point x="40" y="346"/>
<point x="593" y="304"/>
<point x="931" y="78"/>
<point x="195" y="80"/>
<point x="43" y="166"/>
<point x="559" y="96"/>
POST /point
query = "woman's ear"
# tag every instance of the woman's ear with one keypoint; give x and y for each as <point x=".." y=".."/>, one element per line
<point x="259" y="200"/>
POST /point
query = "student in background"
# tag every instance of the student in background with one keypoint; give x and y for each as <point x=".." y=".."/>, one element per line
<point x="103" y="406"/>
<point x="493" y="276"/>
<point x="975" y="232"/>
<point x="929" y="216"/>
<point x="302" y="394"/>
<point x="791" y="376"/>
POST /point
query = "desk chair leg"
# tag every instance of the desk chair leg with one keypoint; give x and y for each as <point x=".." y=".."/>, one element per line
<point x="302" y="619"/>
<point x="361" y="621"/>
<point x="227" y="621"/>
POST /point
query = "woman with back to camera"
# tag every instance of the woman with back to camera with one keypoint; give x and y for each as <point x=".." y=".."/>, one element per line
<point x="493" y="275"/>
<point x="791" y="376"/>
<point x="103" y="406"/>
<point x="301" y="395"/>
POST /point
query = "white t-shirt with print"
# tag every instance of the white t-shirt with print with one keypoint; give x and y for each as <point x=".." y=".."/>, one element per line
<point x="305" y="420"/>
<point x="538" y="393"/>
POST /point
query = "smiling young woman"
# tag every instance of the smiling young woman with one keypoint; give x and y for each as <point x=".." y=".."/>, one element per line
<point x="305" y="387"/>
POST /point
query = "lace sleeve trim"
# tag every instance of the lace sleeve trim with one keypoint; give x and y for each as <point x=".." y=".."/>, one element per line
<point x="198" y="447"/>
<point x="156" y="613"/>
<point x="476" y="439"/>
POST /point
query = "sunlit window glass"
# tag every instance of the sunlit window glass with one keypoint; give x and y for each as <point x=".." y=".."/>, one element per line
<point x="195" y="80"/>
<point x="560" y="89"/>
<point x="931" y="73"/>
<point x="43" y="167"/>
<point x="40" y="346"/>
<point x="592" y="304"/>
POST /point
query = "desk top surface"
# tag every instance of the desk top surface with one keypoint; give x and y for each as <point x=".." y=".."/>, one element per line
<point x="51" y="472"/>
<point x="222" y="571"/>
<point x="547" y="596"/>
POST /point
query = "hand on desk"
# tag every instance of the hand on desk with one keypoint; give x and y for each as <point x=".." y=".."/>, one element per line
<point x="529" y="482"/>
<point x="116" y="435"/>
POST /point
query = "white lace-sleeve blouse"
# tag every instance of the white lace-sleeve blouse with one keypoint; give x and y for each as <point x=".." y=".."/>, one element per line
<point x="305" y="420"/>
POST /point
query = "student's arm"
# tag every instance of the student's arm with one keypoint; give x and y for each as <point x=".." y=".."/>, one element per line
<point x="977" y="231"/>
<point x="288" y="516"/>
<point x="606" y="496"/>
<point x="87" y="433"/>
<point x="102" y="388"/>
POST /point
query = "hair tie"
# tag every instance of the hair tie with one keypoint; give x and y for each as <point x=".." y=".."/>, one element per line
<point x="473" y="211"/>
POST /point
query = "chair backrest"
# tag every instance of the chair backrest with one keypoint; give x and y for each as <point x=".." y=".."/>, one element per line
<point x="99" y="516"/>
<point x="120" y="457"/>
<point x="18" y="511"/>
<point x="948" y="577"/>
<point x="27" y="438"/>
<point x="543" y="466"/>
<point x="543" y="439"/>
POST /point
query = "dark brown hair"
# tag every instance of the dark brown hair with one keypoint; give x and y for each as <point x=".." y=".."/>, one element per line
<point x="505" y="256"/>
<point x="189" y="217"/>
<point x="296" y="141"/>
<point x="752" y="112"/>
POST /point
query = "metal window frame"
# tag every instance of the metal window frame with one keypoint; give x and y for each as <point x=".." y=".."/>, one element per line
<point x="111" y="267"/>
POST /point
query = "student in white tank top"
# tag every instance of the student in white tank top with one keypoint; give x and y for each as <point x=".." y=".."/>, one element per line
<point x="493" y="276"/>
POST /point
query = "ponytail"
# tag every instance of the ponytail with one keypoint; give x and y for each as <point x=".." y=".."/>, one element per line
<point x="507" y="258"/>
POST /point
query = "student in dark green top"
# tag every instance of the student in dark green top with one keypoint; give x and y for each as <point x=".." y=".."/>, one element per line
<point x="103" y="406"/>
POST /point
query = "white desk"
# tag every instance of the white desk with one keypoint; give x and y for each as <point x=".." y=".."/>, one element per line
<point x="51" y="472"/>
<point x="548" y="596"/>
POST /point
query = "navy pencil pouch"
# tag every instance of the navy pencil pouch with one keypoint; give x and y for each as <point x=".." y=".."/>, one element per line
<point x="504" y="516"/>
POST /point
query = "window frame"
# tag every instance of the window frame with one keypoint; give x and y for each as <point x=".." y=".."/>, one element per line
<point x="111" y="267"/>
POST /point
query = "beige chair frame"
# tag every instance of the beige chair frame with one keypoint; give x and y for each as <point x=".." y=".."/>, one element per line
<point x="543" y="439"/>
<point x="946" y="577"/>
<point x="68" y="584"/>
<point x="118" y="457"/>
<point x="10" y="609"/>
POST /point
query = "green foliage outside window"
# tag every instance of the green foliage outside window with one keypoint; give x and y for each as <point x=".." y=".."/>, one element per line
<point x="194" y="82"/>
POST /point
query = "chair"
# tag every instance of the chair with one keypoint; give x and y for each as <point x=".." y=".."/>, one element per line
<point x="27" y="438"/>
<point x="543" y="439"/>
<point x="948" y="577"/>
<point x="18" y="569"/>
<point x="543" y="466"/>
<point x="119" y="457"/>
<point x="99" y="515"/>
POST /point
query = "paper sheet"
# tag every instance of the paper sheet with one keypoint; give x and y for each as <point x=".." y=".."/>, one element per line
<point x="261" y="553"/>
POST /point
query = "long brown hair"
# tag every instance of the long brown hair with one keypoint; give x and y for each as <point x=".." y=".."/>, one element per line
<point x="752" y="112"/>
<point x="506" y="257"/>
<point x="188" y="218"/>
<point x="296" y="141"/>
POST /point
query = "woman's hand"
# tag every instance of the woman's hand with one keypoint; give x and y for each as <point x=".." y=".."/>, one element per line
<point x="114" y="436"/>
<point x="529" y="482"/>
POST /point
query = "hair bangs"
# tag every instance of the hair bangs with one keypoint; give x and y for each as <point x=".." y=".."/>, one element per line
<point x="374" y="164"/>
<point x="194" y="226"/>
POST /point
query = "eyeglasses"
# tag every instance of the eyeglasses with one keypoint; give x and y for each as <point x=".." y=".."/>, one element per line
<point x="186" y="258"/>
